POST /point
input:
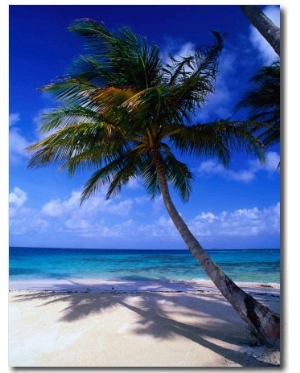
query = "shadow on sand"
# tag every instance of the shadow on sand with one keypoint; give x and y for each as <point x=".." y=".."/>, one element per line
<point x="157" y="320"/>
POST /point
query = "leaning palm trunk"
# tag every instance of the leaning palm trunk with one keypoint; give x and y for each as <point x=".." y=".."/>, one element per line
<point x="263" y="323"/>
<point x="264" y="25"/>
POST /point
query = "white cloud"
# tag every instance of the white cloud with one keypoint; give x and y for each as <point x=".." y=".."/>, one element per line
<point x="157" y="205"/>
<point x="273" y="159"/>
<point x="13" y="118"/>
<point x="18" y="197"/>
<point x="96" y="218"/>
<point x="123" y="220"/>
<point x="241" y="222"/>
<point x="53" y="208"/>
<point x="134" y="184"/>
<point x="77" y="224"/>
<point x="267" y="53"/>
<point x="57" y="207"/>
<point x="90" y="228"/>
<point x="176" y="49"/>
<point x="17" y="142"/>
<point x="273" y="13"/>
<point x="92" y="206"/>
<point x="17" y="145"/>
<point x="22" y="218"/>
<point x="186" y="49"/>
<point x="27" y="221"/>
<point x="271" y="164"/>
<point x="212" y="167"/>
<point x="121" y="208"/>
<point x="219" y="104"/>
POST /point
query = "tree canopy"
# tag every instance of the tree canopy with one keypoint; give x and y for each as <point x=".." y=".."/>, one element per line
<point x="122" y="105"/>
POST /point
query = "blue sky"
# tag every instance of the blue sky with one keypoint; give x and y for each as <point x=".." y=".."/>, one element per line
<point x="237" y="207"/>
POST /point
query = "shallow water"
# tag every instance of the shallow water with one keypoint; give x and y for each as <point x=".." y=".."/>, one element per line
<point x="139" y="267"/>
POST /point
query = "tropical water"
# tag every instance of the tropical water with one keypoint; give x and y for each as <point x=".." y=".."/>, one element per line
<point x="134" y="269"/>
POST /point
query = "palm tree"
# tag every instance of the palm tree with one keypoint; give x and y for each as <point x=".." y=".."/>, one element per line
<point x="123" y="112"/>
<point x="263" y="100"/>
<point x="264" y="25"/>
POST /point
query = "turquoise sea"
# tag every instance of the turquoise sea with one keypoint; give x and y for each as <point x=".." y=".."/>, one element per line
<point x="43" y="268"/>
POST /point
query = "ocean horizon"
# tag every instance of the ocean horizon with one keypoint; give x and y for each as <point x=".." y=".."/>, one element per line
<point x="76" y="269"/>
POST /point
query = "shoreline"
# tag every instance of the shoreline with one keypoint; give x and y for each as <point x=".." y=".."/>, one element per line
<point x="114" y="285"/>
<point x="172" y="328"/>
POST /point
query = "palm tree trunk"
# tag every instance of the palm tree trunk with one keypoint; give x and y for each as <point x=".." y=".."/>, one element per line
<point x="264" y="25"/>
<point x="263" y="323"/>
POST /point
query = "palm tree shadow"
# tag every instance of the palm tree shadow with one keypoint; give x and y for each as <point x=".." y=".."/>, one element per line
<point x="157" y="319"/>
<point x="164" y="325"/>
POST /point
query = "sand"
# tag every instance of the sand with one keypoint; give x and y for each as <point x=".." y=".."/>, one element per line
<point x="138" y="329"/>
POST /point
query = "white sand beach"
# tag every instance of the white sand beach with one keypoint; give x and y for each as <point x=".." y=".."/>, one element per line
<point x="134" y="329"/>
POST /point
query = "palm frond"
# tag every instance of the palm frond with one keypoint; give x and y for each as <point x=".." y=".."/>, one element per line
<point x="191" y="80"/>
<point x="116" y="173"/>
<point x="179" y="175"/>
<point x="263" y="100"/>
<point x="218" y="139"/>
<point x="62" y="117"/>
<point x="90" y="69"/>
<point x="84" y="145"/>
<point x="128" y="57"/>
